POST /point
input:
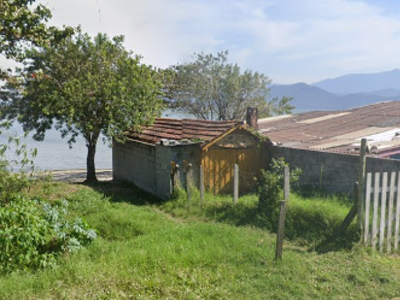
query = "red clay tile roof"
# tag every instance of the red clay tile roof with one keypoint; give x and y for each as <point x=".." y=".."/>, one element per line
<point x="338" y="131"/>
<point x="182" y="129"/>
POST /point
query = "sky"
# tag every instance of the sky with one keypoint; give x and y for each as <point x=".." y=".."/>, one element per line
<point x="288" y="40"/>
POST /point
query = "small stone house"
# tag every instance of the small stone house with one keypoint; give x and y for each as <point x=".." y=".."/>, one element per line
<point x="147" y="157"/>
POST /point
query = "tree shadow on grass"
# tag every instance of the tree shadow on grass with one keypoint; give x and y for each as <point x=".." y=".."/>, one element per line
<point x="124" y="192"/>
<point x="238" y="215"/>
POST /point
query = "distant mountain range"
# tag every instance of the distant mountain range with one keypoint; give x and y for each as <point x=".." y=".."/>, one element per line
<point x="342" y="92"/>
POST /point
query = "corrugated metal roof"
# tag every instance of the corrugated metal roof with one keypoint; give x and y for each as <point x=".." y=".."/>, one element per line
<point x="337" y="131"/>
<point x="181" y="129"/>
<point x="323" y="118"/>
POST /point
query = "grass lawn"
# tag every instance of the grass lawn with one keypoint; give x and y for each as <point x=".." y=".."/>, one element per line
<point x="148" y="250"/>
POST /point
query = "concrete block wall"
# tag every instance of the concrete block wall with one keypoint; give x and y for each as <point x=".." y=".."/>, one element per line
<point x="163" y="171"/>
<point x="149" y="166"/>
<point x="334" y="172"/>
<point x="136" y="163"/>
<point x="191" y="153"/>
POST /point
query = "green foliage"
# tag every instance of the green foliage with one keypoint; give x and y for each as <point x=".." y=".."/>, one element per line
<point x="23" y="23"/>
<point x="12" y="184"/>
<point x="33" y="233"/>
<point x="85" y="87"/>
<point x="271" y="190"/>
<point x="213" y="89"/>
<point x="23" y="232"/>
<point x="14" y="155"/>
<point x="19" y="23"/>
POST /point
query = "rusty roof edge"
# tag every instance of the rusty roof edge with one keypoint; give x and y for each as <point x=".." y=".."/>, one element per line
<point x="217" y="138"/>
<point x="235" y="124"/>
<point x="240" y="125"/>
<point x="224" y="126"/>
<point x="140" y="142"/>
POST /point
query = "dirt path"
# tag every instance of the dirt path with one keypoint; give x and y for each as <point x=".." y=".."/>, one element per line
<point x="76" y="176"/>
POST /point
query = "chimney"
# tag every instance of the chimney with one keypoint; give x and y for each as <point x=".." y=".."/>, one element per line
<point x="252" y="117"/>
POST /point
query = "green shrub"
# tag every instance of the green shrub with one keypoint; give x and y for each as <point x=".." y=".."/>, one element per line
<point x="12" y="184"/>
<point x="23" y="232"/>
<point x="270" y="191"/>
<point x="33" y="233"/>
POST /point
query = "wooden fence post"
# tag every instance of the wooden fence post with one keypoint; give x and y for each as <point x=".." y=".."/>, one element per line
<point x="286" y="183"/>
<point x="189" y="182"/>
<point x="201" y="184"/>
<point x="282" y="215"/>
<point x="175" y="177"/>
<point x="361" y="186"/>
<point x="235" y="183"/>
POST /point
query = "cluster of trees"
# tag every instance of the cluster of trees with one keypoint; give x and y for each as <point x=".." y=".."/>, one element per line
<point x="210" y="88"/>
<point x="93" y="86"/>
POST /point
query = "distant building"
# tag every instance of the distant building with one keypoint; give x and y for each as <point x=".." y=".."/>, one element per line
<point x="325" y="144"/>
<point x="339" y="131"/>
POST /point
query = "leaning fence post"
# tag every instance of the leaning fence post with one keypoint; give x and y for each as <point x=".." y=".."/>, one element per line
<point x="361" y="186"/>
<point x="235" y="183"/>
<point x="189" y="181"/>
<point x="201" y="183"/>
<point x="282" y="215"/>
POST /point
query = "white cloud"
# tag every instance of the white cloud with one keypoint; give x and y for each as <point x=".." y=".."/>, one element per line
<point x="289" y="40"/>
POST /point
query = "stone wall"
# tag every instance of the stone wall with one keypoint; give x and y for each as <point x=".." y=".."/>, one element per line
<point x="333" y="172"/>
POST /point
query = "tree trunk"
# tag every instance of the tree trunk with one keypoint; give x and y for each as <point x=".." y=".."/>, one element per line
<point x="90" y="165"/>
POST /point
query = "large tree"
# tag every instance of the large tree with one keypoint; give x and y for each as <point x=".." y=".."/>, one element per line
<point x="23" y="23"/>
<point x="87" y="87"/>
<point x="213" y="89"/>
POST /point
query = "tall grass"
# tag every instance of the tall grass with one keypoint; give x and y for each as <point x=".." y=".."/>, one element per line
<point x="145" y="253"/>
<point x="309" y="221"/>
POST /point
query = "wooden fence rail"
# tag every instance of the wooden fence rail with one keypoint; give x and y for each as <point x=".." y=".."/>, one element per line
<point x="382" y="211"/>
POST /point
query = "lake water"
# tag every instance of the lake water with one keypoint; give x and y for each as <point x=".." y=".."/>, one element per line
<point x="55" y="154"/>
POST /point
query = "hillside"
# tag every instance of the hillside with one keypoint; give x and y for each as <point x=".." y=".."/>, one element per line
<point x="305" y="97"/>
<point x="357" y="83"/>
<point x="343" y="92"/>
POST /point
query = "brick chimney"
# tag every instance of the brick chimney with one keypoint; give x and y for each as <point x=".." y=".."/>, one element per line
<point x="252" y="117"/>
